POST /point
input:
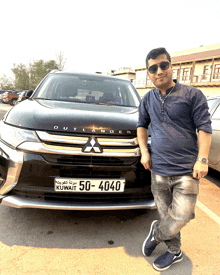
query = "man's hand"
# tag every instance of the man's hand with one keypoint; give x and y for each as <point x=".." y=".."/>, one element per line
<point x="146" y="160"/>
<point x="200" y="170"/>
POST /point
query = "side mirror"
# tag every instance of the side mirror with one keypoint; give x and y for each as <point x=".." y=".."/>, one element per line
<point x="29" y="93"/>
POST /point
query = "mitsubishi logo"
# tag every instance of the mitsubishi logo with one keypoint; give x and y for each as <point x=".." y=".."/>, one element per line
<point x="93" y="146"/>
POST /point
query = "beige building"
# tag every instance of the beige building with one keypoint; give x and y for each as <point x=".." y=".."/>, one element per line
<point x="123" y="72"/>
<point x="197" y="67"/>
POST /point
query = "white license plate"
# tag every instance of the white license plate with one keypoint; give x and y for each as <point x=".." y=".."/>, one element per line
<point x="89" y="185"/>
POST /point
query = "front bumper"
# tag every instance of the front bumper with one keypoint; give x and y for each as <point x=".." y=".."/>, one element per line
<point x="11" y="162"/>
<point x="19" y="202"/>
<point x="29" y="179"/>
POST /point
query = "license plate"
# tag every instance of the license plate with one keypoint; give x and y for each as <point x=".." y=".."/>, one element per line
<point x="89" y="185"/>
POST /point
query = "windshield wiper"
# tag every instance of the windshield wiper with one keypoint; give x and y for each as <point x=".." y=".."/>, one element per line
<point x="42" y="98"/>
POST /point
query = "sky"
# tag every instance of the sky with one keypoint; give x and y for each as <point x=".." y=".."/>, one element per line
<point x="99" y="35"/>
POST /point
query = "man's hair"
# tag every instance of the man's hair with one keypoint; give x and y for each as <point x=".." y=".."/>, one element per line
<point x="153" y="54"/>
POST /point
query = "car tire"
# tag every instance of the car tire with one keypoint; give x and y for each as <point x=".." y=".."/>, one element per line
<point x="13" y="102"/>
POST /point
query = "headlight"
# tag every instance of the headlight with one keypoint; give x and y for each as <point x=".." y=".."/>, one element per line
<point x="14" y="136"/>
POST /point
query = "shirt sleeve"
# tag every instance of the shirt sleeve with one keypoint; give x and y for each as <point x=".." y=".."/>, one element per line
<point x="144" y="118"/>
<point x="200" y="111"/>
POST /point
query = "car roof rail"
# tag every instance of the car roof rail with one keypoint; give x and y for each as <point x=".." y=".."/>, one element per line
<point x="54" y="71"/>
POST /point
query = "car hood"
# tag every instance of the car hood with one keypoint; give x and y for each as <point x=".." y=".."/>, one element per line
<point x="73" y="117"/>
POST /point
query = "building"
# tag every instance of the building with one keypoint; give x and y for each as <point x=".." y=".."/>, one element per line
<point x="123" y="72"/>
<point x="197" y="67"/>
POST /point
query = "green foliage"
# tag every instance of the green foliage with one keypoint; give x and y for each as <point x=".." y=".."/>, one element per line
<point x="6" y="83"/>
<point x="28" y="77"/>
<point x="38" y="70"/>
<point x="21" y="77"/>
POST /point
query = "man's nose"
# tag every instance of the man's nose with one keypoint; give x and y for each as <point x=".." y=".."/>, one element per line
<point x="159" y="70"/>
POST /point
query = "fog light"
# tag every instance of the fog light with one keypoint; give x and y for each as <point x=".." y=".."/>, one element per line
<point x="2" y="175"/>
<point x="3" y="167"/>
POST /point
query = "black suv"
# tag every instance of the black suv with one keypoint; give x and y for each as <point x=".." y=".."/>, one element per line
<point x="72" y="145"/>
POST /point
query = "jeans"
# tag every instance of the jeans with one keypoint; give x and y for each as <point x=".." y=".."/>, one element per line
<point x="175" y="198"/>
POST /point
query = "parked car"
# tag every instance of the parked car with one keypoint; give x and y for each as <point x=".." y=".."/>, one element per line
<point x="214" y="154"/>
<point x="4" y="95"/>
<point x="1" y="95"/>
<point x="11" y="97"/>
<point x="72" y="145"/>
<point x="24" y="95"/>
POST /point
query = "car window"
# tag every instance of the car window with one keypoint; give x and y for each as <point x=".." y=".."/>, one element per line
<point x="88" y="89"/>
<point x="211" y="102"/>
<point x="216" y="114"/>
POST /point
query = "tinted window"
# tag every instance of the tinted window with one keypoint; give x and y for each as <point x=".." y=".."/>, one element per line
<point x="211" y="102"/>
<point x="216" y="114"/>
<point x="88" y="89"/>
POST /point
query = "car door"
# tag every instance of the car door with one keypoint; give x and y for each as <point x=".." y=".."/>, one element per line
<point x="214" y="155"/>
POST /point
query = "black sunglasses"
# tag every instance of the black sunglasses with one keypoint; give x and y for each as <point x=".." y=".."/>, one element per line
<point x="164" y="65"/>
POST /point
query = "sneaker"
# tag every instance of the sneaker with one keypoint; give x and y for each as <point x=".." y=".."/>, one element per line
<point x="150" y="243"/>
<point x="166" y="260"/>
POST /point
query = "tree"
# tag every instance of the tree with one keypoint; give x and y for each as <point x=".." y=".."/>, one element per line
<point x="28" y="77"/>
<point x="61" y="61"/>
<point x="21" y="76"/>
<point x="39" y="69"/>
<point x="6" y="83"/>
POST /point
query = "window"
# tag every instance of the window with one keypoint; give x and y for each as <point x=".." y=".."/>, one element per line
<point x="205" y="72"/>
<point x="87" y="89"/>
<point x="175" y="73"/>
<point x="186" y="74"/>
<point x="216" y="73"/>
<point x="216" y="114"/>
<point x="211" y="102"/>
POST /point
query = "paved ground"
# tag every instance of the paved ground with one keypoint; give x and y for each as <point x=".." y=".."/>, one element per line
<point x="42" y="242"/>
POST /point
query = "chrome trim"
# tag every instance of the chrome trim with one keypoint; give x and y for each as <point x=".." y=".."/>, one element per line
<point x="117" y="142"/>
<point x="59" y="138"/>
<point x="15" y="162"/>
<point x="82" y="140"/>
<point x="53" y="149"/>
<point x="18" y="202"/>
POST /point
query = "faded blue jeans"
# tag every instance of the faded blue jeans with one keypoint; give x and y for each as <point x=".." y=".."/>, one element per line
<point x="175" y="198"/>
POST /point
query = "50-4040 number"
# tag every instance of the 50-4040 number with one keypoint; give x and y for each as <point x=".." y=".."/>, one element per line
<point x="89" y="185"/>
<point x="103" y="186"/>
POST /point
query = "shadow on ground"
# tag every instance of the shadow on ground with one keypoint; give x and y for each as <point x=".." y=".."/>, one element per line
<point x="83" y="230"/>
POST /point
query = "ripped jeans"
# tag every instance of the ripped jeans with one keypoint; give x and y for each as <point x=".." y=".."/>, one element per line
<point x="175" y="198"/>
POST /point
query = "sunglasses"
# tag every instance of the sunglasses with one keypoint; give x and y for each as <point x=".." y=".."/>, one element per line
<point x="164" y="65"/>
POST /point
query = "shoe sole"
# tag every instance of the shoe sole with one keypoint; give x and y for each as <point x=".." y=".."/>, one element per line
<point x="151" y="228"/>
<point x="165" y="268"/>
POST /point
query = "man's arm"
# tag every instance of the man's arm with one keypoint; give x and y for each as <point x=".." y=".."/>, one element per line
<point x="142" y="136"/>
<point x="200" y="169"/>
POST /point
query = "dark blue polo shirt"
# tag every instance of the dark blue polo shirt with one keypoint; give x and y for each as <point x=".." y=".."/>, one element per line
<point x="174" y="147"/>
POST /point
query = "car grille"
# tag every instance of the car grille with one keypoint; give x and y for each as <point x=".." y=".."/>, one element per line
<point x="85" y="149"/>
<point x="87" y="160"/>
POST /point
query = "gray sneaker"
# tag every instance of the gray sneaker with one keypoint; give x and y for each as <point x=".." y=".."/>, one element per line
<point x="150" y="243"/>
<point x="166" y="260"/>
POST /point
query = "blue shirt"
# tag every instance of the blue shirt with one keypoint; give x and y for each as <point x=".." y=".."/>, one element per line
<point x="174" y="147"/>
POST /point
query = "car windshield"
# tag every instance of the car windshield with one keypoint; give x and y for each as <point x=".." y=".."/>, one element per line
<point x="88" y="89"/>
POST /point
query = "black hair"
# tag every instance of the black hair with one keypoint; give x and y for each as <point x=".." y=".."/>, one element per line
<point x="153" y="54"/>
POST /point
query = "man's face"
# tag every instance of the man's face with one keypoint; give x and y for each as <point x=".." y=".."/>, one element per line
<point x="161" y="79"/>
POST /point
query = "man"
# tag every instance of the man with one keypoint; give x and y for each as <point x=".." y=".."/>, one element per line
<point x="178" y="157"/>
